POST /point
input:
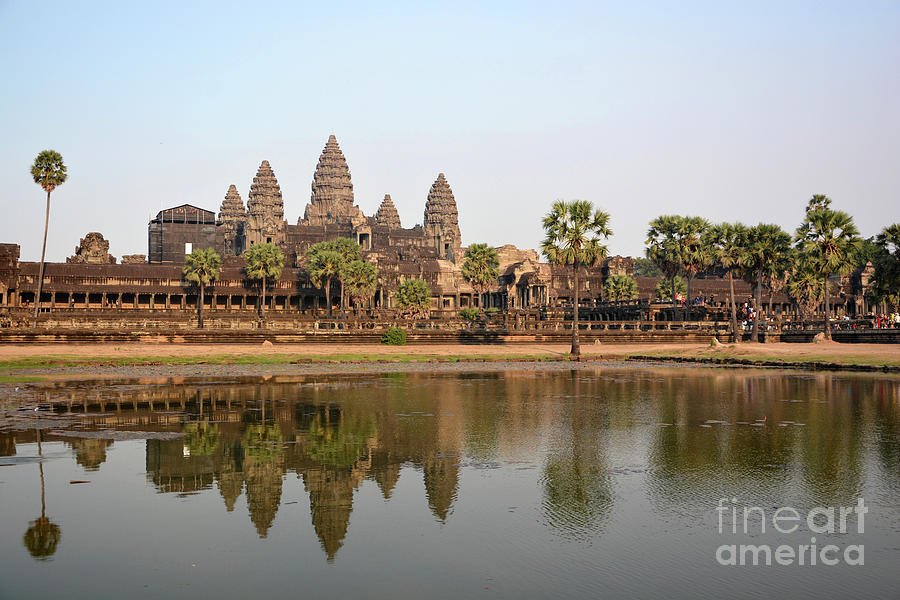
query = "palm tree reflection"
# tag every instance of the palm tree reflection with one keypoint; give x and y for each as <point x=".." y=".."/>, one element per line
<point x="42" y="537"/>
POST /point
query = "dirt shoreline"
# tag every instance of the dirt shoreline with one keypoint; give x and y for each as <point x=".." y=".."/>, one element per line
<point x="61" y="361"/>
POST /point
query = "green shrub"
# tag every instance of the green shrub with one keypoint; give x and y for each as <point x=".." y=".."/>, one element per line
<point x="414" y="298"/>
<point x="492" y="309"/>
<point x="469" y="314"/>
<point x="395" y="336"/>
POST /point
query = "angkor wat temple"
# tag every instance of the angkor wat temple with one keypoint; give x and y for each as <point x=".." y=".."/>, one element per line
<point x="432" y="250"/>
<point x="152" y="286"/>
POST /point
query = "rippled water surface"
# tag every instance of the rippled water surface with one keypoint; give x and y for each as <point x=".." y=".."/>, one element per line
<point x="518" y="485"/>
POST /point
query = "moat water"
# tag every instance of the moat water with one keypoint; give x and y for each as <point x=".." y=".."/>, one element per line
<point x="523" y="484"/>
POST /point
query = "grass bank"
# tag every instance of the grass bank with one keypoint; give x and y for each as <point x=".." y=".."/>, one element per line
<point x="805" y="356"/>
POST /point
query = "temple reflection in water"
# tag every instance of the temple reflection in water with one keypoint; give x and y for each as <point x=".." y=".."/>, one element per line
<point x="580" y="429"/>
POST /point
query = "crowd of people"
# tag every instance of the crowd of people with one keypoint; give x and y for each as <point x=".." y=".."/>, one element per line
<point x="891" y="321"/>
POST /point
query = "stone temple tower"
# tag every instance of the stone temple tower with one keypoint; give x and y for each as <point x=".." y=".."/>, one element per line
<point x="441" y="222"/>
<point x="332" y="191"/>
<point x="387" y="213"/>
<point x="232" y="218"/>
<point x="265" y="222"/>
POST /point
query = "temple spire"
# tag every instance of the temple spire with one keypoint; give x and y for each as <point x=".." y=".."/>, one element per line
<point x="441" y="222"/>
<point x="387" y="213"/>
<point x="232" y="218"/>
<point x="265" y="207"/>
<point x="332" y="191"/>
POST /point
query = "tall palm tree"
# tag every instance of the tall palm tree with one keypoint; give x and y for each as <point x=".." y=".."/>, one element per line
<point x="829" y="239"/>
<point x="202" y="267"/>
<point x="725" y="243"/>
<point x="49" y="172"/>
<point x="694" y="255"/>
<point x="763" y="245"/>
<point x="264" y="261"/>
<point x="481" y="268"/>
<point x="663" y="247"/>
<point x="324" y="266"/>
<point x="574" y="231"/>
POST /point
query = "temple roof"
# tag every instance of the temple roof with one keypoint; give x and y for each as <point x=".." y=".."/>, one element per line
<point x="186" y="213"/>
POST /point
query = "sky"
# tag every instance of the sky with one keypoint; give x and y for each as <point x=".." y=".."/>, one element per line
<point x="731" y="111"/>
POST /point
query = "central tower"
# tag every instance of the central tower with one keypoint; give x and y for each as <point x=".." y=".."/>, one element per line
<point x="441" y="221"/>
<point x="332" y="191"/>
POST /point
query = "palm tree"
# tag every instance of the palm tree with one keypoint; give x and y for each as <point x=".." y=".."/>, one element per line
<point x="362" y="279"/>
<point x="663" y="247"/>
<point x="763" y="245"/>
<point x="323" y="267"/>
<point x="829" y="239"/>
<point x="264" y="261"/>
<point x="620" y="287"/>
<point x="694" y="255"/>
<point x="886" y="284"/>
<point x="49" y="172"/>
<point x="481" y="268"/>
<point x="574" y="231"/>
<point x="202" y="268"/>
<point x="724" y="242"/>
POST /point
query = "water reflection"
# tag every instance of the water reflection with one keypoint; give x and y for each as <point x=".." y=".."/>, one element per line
<point x="43" y="535"/>
<point x="687" y="435"/>
<point x="577" y="489"/>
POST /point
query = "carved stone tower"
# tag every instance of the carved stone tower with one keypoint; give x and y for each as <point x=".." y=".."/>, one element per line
<point x="387" y="213"/>
<point x="332" y="190"/>
<point x="441" y="222"/>
<point x="232" y="219"/>
<point x="265" y="222"/>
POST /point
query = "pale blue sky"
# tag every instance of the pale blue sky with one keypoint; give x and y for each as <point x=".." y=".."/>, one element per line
<point x="726" y="110"/>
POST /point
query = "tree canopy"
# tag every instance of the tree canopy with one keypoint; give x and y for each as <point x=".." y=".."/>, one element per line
<point x="48" y="170"/>
<point x="620" y="287"/>
<point x="481" y="267"/>
<point x="362" y="280"/>
<point x="414" y="297"/>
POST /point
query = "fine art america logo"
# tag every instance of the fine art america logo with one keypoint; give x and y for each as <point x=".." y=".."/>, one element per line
<point x="735" y="520"/>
